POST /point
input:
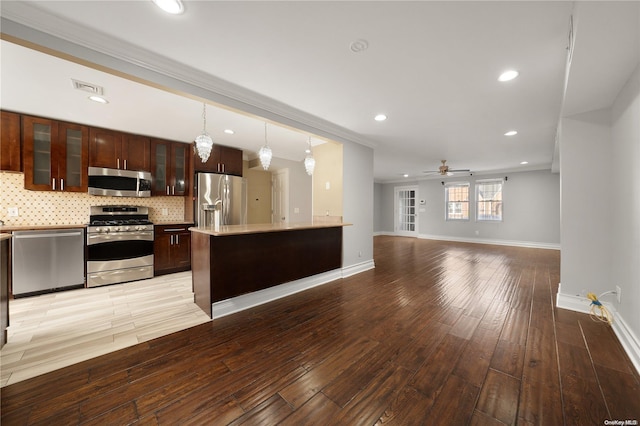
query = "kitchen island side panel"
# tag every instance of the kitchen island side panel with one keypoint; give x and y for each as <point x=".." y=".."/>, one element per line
<point x="201" y="270"/>
<point x="232" y="265"/>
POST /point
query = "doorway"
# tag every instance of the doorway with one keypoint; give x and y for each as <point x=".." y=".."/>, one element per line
<point x="405" y="217"/>
<point x="280" y="196"/>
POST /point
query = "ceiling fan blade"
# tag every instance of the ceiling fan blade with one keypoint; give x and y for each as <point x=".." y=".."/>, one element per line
<point x="459" y="170"/>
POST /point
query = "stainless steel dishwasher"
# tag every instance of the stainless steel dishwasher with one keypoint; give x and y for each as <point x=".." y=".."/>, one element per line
<point x="47" y="260"/>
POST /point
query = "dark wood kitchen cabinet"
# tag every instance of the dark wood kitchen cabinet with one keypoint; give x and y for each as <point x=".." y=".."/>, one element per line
<point x="4" y="286"/>
<point x="10" y="148"/>
<point x="223" y="159"/>
<point x="118" y="150"/>
<point x="169" y="167"/>
<point x="171" y="249"/>
<point x="55" y="155"/>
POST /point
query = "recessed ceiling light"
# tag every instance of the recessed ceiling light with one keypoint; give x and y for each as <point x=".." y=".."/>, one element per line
<point x="511" y="133"/>
<point x="524" y="162"/>
<point x="405" y="175"/>
<point x="380" y="117"/>
<point x="98" y="99"/>
<point x="508" y="75"/>
<point x="229" y="131"/>
<point x="173" y="7"/>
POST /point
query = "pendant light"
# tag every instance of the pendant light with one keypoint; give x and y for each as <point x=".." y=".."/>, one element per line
<point x="204" y="143"/>
<point x="309" y="161"/>
<point x="265" y="153"/>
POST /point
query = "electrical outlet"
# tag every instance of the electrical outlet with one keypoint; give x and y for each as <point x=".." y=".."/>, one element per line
<point x="618" y="293"/>
<point x="12" y="211"/>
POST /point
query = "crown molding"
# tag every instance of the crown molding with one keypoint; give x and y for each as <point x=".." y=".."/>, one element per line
<point x="25" y="24"/>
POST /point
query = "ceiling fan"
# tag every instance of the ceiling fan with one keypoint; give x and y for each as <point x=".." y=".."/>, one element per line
<point x="444" y="170"/>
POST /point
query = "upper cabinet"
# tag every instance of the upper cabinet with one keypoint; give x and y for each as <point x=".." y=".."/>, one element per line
<point x="223" y="159"/>
<point x="55" y="155"/>
<point x="169" y="167"/>
<point x="117" y="150"/>
<point x="10" y="158"/>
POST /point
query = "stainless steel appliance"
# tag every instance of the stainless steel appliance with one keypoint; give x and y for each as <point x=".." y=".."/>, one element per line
<point x="224" y="194"/>
<point x="119" y="245"/>
<point x="47" y="260"/>
<point x="119" y="183"/>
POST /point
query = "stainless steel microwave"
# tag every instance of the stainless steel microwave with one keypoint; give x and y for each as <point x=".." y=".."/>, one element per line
<point x="119" y="183"/>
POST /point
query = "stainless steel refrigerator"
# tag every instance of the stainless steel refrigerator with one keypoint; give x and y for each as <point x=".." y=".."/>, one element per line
<point x="222" y="193"/>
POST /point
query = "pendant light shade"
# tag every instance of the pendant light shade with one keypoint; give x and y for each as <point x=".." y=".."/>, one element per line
<point x="265" y="152"/>
<point x="309" y="161"/>
<point x="204" y="143"/>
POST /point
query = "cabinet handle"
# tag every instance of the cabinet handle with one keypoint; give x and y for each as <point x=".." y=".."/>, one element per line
<point x="61" y="184"/>
<point x="125" y="164"/>
<point x="167" y="189"/>
<point x="177" y="239"/>
<point x="173" y="190"/>
<point x="53" y="183"/>
<point x="175" y="229"/>
<point x="171" y="240"/>
<point x="118" y="163"/>
<point x="224" y="169"/>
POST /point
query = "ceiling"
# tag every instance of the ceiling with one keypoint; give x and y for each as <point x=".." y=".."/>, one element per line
<point x="431" y="67"/>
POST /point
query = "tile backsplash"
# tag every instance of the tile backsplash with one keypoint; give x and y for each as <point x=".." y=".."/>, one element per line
<point x="71" y="208"/>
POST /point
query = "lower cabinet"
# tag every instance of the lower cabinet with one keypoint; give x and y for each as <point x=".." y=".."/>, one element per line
<point x="171" y="248"/>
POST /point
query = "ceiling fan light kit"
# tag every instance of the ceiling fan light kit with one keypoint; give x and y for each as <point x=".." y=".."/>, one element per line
<point x="444" y="170"/>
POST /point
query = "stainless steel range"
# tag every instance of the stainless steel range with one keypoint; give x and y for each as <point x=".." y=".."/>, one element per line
<point x="119" y="245"/>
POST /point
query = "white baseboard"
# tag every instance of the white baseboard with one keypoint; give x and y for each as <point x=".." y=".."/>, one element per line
<point x="357" y="268"/>
<point x="629" y="341"/>
<point x="250" y="300"/>
<point x="528" y="244"/>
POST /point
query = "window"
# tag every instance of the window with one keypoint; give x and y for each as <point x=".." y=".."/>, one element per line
<point x="457" y="199"/>
<point x="489" y="200"/>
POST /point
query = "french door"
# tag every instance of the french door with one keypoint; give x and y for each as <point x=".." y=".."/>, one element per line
<point x="406" y="217"/>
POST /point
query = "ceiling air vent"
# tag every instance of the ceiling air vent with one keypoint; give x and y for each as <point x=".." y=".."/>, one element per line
<point x="87" y="87"/>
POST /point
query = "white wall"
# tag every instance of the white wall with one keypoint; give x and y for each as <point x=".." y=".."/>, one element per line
<point x="300" y="189"/>
<point x="599" y="154"/>
<point x="531" y="210"/>
<point x="378" y="207"/>
<point x="625" y="211"/>
<point x="585" y="162"/>
<point x="357" y="205"/>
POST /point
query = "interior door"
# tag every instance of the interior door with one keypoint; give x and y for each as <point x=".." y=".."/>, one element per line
<point x="406" y="217"/>
<point x="280" y="196"/>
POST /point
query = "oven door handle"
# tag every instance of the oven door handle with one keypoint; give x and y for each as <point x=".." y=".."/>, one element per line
<point x="119" y="236"/>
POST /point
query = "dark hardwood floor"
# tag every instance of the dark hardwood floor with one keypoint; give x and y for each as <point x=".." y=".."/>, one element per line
<point x="439" y="333"/>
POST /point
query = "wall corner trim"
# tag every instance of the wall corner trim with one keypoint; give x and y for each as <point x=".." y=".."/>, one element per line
<point x="347" y="271"/>
<point x="629" y="341"/>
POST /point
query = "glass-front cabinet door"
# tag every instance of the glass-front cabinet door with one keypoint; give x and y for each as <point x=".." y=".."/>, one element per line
<point x="73" y="157"/>
<point x="179" y="166"/>
<point x="159" y="167"/>
<point x="55" y="155"/>
<point x="170" y="167"/>
<point x="38" y="138"/>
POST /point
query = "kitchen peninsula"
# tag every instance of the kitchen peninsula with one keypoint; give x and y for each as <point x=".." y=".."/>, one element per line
<point x="236" y="260"/>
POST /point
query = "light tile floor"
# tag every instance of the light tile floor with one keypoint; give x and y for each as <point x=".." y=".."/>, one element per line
<point x="55" y="330"/>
